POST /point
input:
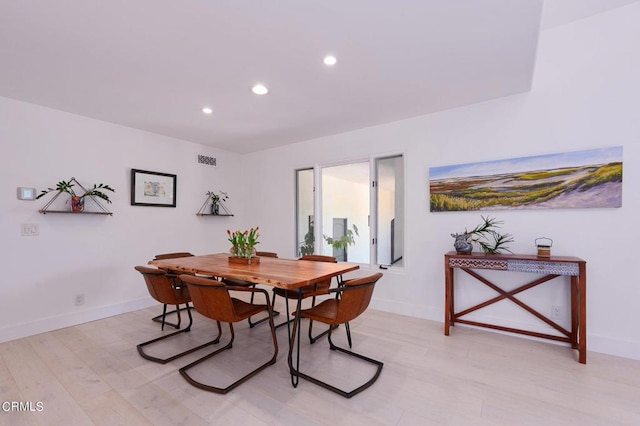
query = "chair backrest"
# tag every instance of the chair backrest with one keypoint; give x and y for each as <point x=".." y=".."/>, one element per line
<point x="355" y="297"/>
<point x="266" y="254"/>
<point x="211" y="298"/>
<point x="161" y="287"/>
<point x="172" y="255"/>
<point x="324" y="284"/>
<point x="319" y="258"/>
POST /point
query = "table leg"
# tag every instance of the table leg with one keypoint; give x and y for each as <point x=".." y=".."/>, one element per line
<point x="575" y="311"/>
<point x="582" y="321"/>
<point x="292" y="342"/>
<point x="448" y="298"/>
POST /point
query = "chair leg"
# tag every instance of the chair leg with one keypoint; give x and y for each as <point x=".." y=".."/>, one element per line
<point x="184" y="370"/>
<point x="260" y="321"/>
<point x="161" y="318"/>
<point x="171" y="358"/>
<point x="295" y="371"/>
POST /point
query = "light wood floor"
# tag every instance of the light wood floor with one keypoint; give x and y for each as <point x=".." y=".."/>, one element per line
<point x="92" y="374"/>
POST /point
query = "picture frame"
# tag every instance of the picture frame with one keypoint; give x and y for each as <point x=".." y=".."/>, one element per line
<point x="578" y="179"/>
<point x="153" y="188"/>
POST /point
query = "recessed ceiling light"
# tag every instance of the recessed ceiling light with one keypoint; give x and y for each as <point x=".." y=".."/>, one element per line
<point x="260" y="89"/>
<point x="207" y="110"/>
<point x="330" y="60"/>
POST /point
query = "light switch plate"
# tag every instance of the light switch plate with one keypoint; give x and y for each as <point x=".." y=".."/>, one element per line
<point x="29" y="229"/>
<point x="26" y="193"/>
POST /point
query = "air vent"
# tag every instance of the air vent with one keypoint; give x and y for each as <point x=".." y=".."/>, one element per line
<point x="209" y="161"/>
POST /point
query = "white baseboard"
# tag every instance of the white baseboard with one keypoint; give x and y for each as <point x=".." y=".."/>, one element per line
<point x="72" y="318"/>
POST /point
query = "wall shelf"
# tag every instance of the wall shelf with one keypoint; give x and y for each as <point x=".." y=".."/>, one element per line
<point x="103" y="209"/>
<point x="70" y="212"/>
<point x="205" y="210"/>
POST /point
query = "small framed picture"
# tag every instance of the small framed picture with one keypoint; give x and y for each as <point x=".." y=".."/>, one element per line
<point x="153" y="188"/>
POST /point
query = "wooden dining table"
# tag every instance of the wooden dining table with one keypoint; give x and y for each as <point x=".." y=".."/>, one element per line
<point x="288" y="274"/>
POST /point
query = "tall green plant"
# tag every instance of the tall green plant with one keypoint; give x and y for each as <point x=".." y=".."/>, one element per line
<point x="488" y="238"/>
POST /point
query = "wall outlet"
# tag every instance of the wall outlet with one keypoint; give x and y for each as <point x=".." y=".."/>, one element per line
<point x="79" y="300"/>
<point x="556" y="312"/>
<point x="29" y="229"/>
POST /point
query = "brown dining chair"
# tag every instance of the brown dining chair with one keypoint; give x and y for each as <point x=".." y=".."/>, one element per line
<point x="163" y="289"/>
<point x="212" y="299"/>
<point x="162" y="317"/>
<point x="240" y="283"/>
<point x="351" y="300"/>
<point x="318" y="289"/>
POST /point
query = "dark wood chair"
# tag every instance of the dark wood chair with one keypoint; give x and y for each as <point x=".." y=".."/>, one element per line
<point x="212" y="299"/>
<point x="351" y="300"/>
<point x="163" y="289"/>
<point x="162" y="317"/>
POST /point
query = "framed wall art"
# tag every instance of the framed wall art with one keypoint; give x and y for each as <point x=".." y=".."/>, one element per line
<point x="579" y="179"/>
<point x="153" y="188"/>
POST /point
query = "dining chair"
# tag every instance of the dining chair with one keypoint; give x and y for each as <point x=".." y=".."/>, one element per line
<point x="314" y="290"/>
<point x="163" y="289"/>
<point x="213" y="299"/>
<point x="351" y="300"/>
<point x="240" y="283"/>
<point x="162" y="317"/>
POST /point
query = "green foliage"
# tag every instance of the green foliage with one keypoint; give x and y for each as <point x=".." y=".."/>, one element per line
<point x="216" y="198"/>
<point x="338" y="243"/>
<point x="309" y="239"/>
<point x="488" y="238"/>
<point x="67" y="187"/>
<point x="243" y="242"/>
<point x="343" y="242"/>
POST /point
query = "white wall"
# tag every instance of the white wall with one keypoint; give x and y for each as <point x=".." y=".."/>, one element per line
<point x="586" y="94"/>
<point x="89" y="254"/>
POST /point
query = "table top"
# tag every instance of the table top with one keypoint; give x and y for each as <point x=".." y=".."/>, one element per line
<point x="284" y="273"/>
<point x="526" y="257"/>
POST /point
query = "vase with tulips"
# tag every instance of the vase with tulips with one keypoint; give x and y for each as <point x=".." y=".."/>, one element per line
<point x="243" y="243"/>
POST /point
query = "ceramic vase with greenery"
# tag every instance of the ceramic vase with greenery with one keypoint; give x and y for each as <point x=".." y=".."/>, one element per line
<point x="485" y="236"/>
<point x="77" y="201"/>
<point x="216" y="199"/>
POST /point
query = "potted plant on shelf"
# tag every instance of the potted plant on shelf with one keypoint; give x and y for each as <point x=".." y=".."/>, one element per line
<point x="243" y="245"/>
<point x="77" y="201"/>
<point x="216" y="199"/>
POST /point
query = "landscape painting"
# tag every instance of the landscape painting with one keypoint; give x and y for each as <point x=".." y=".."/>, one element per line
<point x="581" y="179"/>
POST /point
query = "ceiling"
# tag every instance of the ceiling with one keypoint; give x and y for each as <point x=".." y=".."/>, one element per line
<point x="154" y="64"/>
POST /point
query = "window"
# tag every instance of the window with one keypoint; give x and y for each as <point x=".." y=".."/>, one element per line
<point x="304" y="212"/>
<point x="390" y="210"/>
<point x="354" y="217"/>
<point x="345" y="198"/>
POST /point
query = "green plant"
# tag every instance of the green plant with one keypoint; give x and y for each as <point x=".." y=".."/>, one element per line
<point x="488" y="238"/>
<point x="346" y="240"/>
<point x="217" y="198"/>
<point x="307" y="247"/>
<point x="243" y="242"/>
<point x="67" y="187"/>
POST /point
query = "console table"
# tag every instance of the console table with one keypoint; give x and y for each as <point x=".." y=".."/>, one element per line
<point x="551" y="267"/>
